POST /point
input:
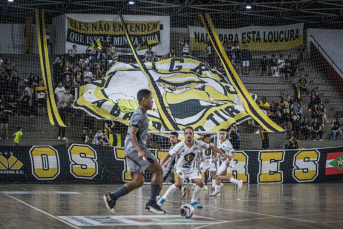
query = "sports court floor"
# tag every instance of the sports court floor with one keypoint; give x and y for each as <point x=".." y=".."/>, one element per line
<point x="255" y="206"/>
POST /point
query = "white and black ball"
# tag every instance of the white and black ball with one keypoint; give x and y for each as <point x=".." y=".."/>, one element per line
<point x="187" y="211"/>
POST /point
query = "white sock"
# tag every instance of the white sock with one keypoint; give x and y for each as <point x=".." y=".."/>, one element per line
<point x="217" y="188"/>
<point x="170" y="190"/>
<point x="196" y="194"/>
<point x="213" y="183"/>
<point x="233" y="180"/>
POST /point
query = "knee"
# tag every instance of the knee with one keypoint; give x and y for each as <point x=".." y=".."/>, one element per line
<point x="178" y="184"/>
<point x="200" y="184"/>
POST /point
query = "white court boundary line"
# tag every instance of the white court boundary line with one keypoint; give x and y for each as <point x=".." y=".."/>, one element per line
<point x="37" y="209"/>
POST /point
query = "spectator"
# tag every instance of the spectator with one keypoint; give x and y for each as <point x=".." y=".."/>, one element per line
<point x="292" y="143"/>
<point x="286" y="117"/>
<point x="28" y="88"/>
<point x="3" y="84"/>
<point x="246" y="57"/>
<point x="85" y="137"/>
<point x="67" y="82"/>
<point x="4" y="120"/>
<point x="264" y="105"/>
<point x="147" y="57"/>
<point x="104" y="61"/>
<point x="41" y="98"/>
<point x="68" y="100"/>
<point x="17" y="136"/>
<point x="150" y="52"/>
<point x="185" y="47"/>
<point x="295" y="121"/>
<point x="305" y="128"/>
<point x="87" y="76"/>
<point x="9" y="67"/>
<point x="298" y="110"/>
<point x="303" y="84"/>
<point x="98" y="73"/>
<point x="57" y="66"/>
<point x="316" y="129"/>
<point x="59" y="92"/>
<point x="155" y="58"/>
<point x="322" y="113"/>
<point x="300" y="54"/>
<point x="315" y="112"/>
<point x="14" y="83"/>
<point x="88" y="124"/>
<point x="108" y="131"/>
<point x="62" y="130"/>
<point x="11" y="103"/>
<point x="265" y="139"/>
<point x="290" y="101"/>
<point x="281" y="67"/>
<point x="77" y="71"/>
<point x="290" y="60"/>
<point x="314" y="99"/>
<point x="236" y="58"/>
<point x="234" y="136"/>
<point x="290" y="72"/>
<point x="272" y="112"/>
<point x="171" y="54"/>
<point x="25" y="104"/>
<point x="78" y="80"/>
<point x="336" y="129"/>
<point x="264" y="66"/>
<point x="228" y="49"/>
<point x="210" y="54"/>
<point x="98" y="137"/>
<point x="273" y="63"/>
<point x="73" y="88"/>
<point x="297" y="94"/>
<point x="72" y="54"/>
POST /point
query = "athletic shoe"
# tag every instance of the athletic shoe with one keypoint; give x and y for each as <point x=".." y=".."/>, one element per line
<point x="64" y="138"/>
<point x="154" y="208"/>
<point x="319" y="139"/>
<point x="215" y="194"/>
<point x="59" y="138"/>
<point x="196" y="204"/>
<point x="109" y="203"/>
<point x="206" y="188"/>
<point x="240" y="184"/>
<point x="184" y="191"/>
<point x="161" y="202"/>
<point x="314" y="140"/>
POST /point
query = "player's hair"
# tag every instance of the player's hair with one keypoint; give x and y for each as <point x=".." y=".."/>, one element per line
<point x="188" y="127"/>
<point x="207" y="136"/>
<point x="222" y="130"/>
<point x="144" y="93"/>
<point x="19" y="128"/>
<point x="175" y="134"/>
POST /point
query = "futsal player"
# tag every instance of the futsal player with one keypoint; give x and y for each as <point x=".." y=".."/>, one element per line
<point x="226" y="165"/>
<point x="169" y="167"/>
<point x="208" y="165"/>
<point x="187" y="151"/>
<point x="138" y="156"/>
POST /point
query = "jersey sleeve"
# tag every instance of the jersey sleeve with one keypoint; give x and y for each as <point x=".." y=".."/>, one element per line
<point x="202" y="145"/>
<point x="176" y="150"/>
<point x="136" y="120"/>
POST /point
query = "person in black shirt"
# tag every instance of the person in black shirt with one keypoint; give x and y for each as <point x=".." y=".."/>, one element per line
<point x="62" y="130"/>
<point x="300" y="54"/>
<point x="171" y="54"/>
<point x="85" y="137"/>
<point x="295" y="121"/>
<point x="316" y="129"/>
<point x="264" y="66"/>
<point x="265" y="139"/>
<point x="314" y="99"/>
<point x="286" y="117"/>
<point x="234" y="137"/>
<point x="4" y="120"/>
<point x="25" y="103"/>
<point x="336" y="129"/>
<point x="3" y="83"/>
<point x="302" y="83"/>
<point x="273" y="63"/>
<point x="305" y="128"/>
<point x="292" y="143"/>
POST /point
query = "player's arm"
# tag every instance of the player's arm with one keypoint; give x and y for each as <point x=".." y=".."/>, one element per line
<point x="153" y="144"/>
<point x="132" y="133"/>
<point x="219" y="151"/>
<point x="166" y="157"/>
<point x="201" y="158"/>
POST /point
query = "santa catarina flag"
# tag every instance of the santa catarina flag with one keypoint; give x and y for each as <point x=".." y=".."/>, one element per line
<point x="334" y="163"/>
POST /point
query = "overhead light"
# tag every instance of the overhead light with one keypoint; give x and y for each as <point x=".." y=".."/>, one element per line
<point x="248" y="7"/>
<point x="131" y="2"/>
<point x="10" y="0"/>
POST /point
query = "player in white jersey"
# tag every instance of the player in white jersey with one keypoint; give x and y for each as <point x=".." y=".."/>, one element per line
<point x="186" y="152"/>
<point x="208" y="165"/>
<point x="169" y="167"/>
<point x="226" y="165"/>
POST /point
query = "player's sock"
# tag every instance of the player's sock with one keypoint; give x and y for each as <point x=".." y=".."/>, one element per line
<point x="196" y="194"/>
<point x="153" y="192"/>
<point x="233" y="180"/>
<point x="206" y="178"/>
<point x="170" y="190"/>
<point x="119" y="193"/>
<point x="217" y="188"/>
<point x="213" y="183"/>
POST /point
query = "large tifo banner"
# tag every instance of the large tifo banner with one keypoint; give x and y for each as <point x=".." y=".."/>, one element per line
<point x="106" y="164"/>
<point x="84" y="29"/>
<point x="261" y="38"/>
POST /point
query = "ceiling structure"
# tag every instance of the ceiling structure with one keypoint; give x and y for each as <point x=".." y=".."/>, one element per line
<point x="225" y="13"/>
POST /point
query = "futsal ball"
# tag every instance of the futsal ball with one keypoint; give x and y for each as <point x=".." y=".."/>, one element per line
<point x="187" y="211"/>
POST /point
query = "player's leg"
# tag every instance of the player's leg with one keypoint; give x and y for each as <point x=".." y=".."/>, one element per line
<point x="195" y="176"/>
<point x="239" y="183"/>
<point x="156" y="178"/>
<point x="165" y="176"/>
<point x="213" y="179"/>
<point x="206" y="179"/>
<point x="220" y="172"/>
<point x="172" y="188"/>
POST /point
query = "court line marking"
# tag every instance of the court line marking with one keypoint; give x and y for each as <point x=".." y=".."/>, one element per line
<point x="232" y="221"/>
<point x="37" y="209"/>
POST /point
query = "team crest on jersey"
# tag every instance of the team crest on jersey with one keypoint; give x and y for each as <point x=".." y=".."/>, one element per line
<point x="189" y="157"/>
<point x="180" y="173"/>
<point x="208" y="152"/>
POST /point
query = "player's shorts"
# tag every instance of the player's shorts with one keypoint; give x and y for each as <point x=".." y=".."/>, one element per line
<point x="223" y="168"/>
<point x="135" y="164"/>
<point x="168" y="172"/>
<point x="190" y="174"/>
<point x="245" y="63"/>
<point x="207" y="167"/>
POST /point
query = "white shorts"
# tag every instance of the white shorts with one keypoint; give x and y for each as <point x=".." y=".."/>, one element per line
<point x="246" y="63"/>
<point x="191" y="174"/>
<point x="223" y="167"/>
<point x="207" y="167"/>
<point x="275" y="68"/>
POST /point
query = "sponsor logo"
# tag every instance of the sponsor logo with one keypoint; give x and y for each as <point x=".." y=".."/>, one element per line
<point x="9" y="164"/>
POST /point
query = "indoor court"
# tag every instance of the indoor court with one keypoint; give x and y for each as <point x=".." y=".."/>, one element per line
<point x="255" y="206"/>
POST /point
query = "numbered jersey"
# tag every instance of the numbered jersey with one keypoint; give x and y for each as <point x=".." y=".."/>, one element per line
<point x="207" y="155"/>
<point x="186" y="155"/>
<point x="226" y="147"/>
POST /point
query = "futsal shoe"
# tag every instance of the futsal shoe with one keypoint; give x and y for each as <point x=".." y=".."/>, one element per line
<point x="206" y="188"/>
<point x="216" y="194"/>
<point x="161" y="202"/>
<point x="154" y="207"/>
<point x="109" y="203"/>
<point x="240" y="184"/>
<point x="184" y="191"/>
<point x="196" y="204"/>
